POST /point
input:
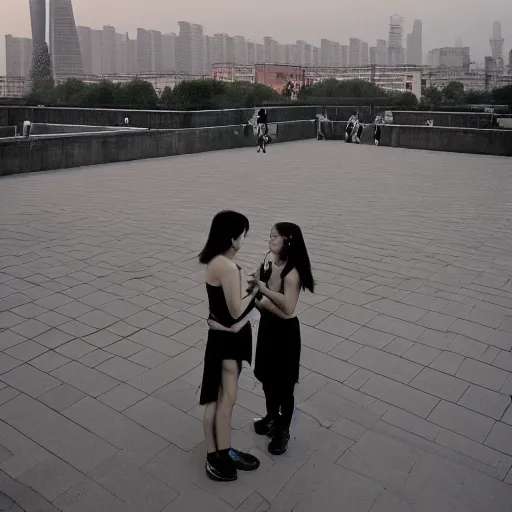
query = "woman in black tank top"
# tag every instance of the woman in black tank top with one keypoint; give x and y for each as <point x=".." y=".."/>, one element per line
<point x="229" y="305"/>
<point x="279" y="281"/>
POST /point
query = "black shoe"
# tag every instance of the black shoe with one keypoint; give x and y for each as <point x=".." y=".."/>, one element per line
<point x="264" y="150"/>
<point x="244" y="461"/>
<point x="219" y="471"/>
<point x="265" y="426"/>
<point x="280" y="440"/>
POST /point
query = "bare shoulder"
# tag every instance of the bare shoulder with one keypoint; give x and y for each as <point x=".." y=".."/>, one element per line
<point x="292" y="278"/>
<point x="219" y="266"/>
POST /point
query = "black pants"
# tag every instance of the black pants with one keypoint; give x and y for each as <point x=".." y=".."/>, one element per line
<point x="280" y="399"/>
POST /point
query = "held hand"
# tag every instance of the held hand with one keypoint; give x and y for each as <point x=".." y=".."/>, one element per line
<point x="257" y="283"/>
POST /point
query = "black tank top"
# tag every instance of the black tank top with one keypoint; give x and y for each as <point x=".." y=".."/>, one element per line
<point x="219" y="310"/>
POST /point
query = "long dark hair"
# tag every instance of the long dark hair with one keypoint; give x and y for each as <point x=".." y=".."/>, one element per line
<point x="296" y="254"/>
<point x="226" y="227"/>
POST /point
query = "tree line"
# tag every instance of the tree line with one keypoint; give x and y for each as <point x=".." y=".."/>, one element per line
<point x="211" y="94"/>
<point x="454" y="95"/>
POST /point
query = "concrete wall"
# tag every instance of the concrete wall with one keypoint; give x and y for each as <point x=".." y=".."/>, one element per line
<point x="440" y="138"/>
<point x="7" y="131"/>
<point x="48" y="129"/>
<point x="453" y="119"/>
<point x="171" y="119"/>
<point x="65" y="151"/>
<point x="458" y="140"/>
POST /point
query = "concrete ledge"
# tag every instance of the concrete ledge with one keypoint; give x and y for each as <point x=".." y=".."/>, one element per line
<point x="433" y="138"/>
<point x="449" y="119"/>
<point x="48" y="152"/>
<point x="457" y="140"/>
<point x="171" y="119"/>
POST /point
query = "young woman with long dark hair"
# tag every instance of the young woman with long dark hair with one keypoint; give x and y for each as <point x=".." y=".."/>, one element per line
<point x="229" y="305"/>
<point x="285" y="272"/>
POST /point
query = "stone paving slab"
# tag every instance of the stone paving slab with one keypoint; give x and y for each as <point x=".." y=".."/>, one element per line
<point x="404" y="399"/>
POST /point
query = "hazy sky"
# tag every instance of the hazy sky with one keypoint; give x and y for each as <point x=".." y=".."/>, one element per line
<point x="288" y="20"/>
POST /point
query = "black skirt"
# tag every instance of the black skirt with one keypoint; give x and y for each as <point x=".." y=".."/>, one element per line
<point x="222" y="345"/>
<point x="278" y="350"/>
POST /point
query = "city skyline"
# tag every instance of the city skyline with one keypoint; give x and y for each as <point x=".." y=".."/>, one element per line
<point x="368" y="22"/>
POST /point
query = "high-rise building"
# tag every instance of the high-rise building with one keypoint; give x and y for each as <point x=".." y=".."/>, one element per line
<point x="396" y="38"/>
<point x="354" y="52"/>
<point x="121" y="46"/>
<point x="131" y="56"/>
<point x="330" y="53"/>
<point x="18" y="56"/>
<point x="260" y="53"/>
<point x="84" y="38"/>
<point x="240" y="50"/>
<point x="66" y="57"/>
<point x="144" y="53"/>
<point x="251" y="53"/>
<point x="96" y="51"/>
<point x="344" y="50"/>
<point x="156" y="51"/>
<point x="270" y="49"/>
<point x="415" y="45"/>
<point x="169" y="52"/>
<point x="365" y="58"/>
<point x="373" y="55"/>
<point x="450" y="57"/>
<point x="190" y="48"/>
<point x="38" y="22"/>
<point x="496" y="41"/>
<point x="109" y="51"/>
<point x="382" y="52"/>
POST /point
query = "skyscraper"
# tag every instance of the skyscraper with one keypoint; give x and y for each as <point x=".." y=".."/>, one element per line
<point x="415" y="45"/>
<point x="144" y="56"/>
<point x="18" y="54"/>
<point x="190" y="48"/>
<point x="96" y="51"/>
<point x="496" y="41"/>
<point x="66" y="57"/>
<point x="240" y="50"/>
<point x="396" y="38"/>
<point x="156" y="51"/>
<point x="364" y="54"/>
<point x="109" y="51"/>
<point x="354" y="52"/>
<point x="84" y="38"/>
<point x="38" y="22"/>
<point x="382" y="56"/>
<point x="169" y="53"/>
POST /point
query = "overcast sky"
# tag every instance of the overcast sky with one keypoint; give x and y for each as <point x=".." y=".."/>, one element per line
<point x="288" y="20"/>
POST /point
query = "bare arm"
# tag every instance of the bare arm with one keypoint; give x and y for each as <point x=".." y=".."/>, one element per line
<point x="287" y="301"/>
<point x="231" y="285"/>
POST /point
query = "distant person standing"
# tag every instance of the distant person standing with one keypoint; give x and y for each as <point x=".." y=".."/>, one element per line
<point x="262" y="123"/>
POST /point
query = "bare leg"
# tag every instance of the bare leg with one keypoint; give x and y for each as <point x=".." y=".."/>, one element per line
<point x="227" y="399"/>
<point x="210" y="411"/>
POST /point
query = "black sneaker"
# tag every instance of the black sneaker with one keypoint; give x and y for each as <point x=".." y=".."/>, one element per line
<point x="220" y="471"/>
<point x="265" y="426"/>
<point x="244" y="461"/>
<point x="280" y="440"/>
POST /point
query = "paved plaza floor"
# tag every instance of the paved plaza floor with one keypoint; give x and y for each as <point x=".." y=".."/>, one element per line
<point x="404" y="402"/>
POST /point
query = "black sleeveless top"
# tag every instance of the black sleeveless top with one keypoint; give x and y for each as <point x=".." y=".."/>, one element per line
<point x="219" y="310"/>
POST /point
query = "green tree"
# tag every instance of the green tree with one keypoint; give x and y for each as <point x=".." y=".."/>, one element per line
<point x="333" y="88"/>
<point x="70" y="93"/>
<point x="503" y="95"/>
<point x="453" y="93"/>
<point x="432" y="96"/>
<point x="404" y="100"/>
<point x="137" y="94"/>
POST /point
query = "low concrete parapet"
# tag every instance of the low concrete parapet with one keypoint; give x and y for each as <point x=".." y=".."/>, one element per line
<point x="434" y="138"/>
<point x="50" y="152"/>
